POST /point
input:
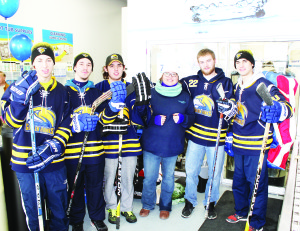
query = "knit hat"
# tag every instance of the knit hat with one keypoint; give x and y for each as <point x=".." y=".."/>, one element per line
<point x="114" y="57"/>
<point x="244" y="54"/>
<point x="82" y="56"/>
<point x="42" y="48"/>
<point x="169" y="68"/>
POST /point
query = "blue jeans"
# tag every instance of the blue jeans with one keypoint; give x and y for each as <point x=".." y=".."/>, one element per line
<point x="151" y="171"/>
<point x="194" y="157"/>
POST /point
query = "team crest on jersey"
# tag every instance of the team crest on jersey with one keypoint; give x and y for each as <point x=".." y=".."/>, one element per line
<point x="44" y="120"/>
<point x="241" y="114"/>
<point x="82" y="109"/>
<point x="204" y="105"/>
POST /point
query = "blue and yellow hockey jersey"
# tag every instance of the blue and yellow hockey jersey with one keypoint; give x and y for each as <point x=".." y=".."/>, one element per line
<point x="51" y="119"/>
<point x="204" y="95"/>
<point x="248" y="129"/>
<point x="81" y="102"/>
<point x="130" y="143"/>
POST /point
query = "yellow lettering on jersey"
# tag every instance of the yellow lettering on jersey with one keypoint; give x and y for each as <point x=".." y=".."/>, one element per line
<point x="193" y="82"/>
<point x="203" y="112"/>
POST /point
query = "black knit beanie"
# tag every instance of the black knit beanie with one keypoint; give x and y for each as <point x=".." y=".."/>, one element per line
<point x="244" y="54"/>
<point x="42" y="48"/>
<point x="82" y="56"/>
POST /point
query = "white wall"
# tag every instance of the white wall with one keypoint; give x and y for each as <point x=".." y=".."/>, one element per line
<point x="169" y="22"/>
<point x="163" y="24"/>
<point x="95" y="25"/>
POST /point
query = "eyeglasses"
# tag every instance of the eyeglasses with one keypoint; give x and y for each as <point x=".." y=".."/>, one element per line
<point x="173" y="74"/>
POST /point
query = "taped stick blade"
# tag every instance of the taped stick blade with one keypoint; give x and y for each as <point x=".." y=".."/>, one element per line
<point x="220" y="90"/>
<point x="263" y="92"/>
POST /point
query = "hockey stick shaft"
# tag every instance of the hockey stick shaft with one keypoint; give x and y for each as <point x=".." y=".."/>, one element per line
<point x="215" y="162"/>
<point x="222" y="95"/>
<point x="36" y="174"/>
<point x="119" y="176"/>
<point x="106" y="95"/>
<point x="265" y="95"/>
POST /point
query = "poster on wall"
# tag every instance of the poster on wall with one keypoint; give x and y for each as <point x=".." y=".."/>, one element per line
<point x="7" y="31"/>
<point x="62" y="43"/>
<point x="8" y="63"/>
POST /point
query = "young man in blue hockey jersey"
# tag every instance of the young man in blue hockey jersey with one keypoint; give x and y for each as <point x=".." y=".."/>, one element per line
<point x="52" y="129"/>
<point x="82" y="95"/>
<point x="248" y="131"/>
<point x="202" y="135"/>
<point x="114" y="70"/>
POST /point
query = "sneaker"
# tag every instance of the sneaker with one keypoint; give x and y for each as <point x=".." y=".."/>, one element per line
<point x="235" y="218"/>
<point x="188" y="209"/>
<point x="99" y="225"/>
<point x="130" y="217"/>
<point x="112" y="216"/>
<point x="254" y="229"/>
<point x="77" y="227"/>
<point x="212" y="214"/>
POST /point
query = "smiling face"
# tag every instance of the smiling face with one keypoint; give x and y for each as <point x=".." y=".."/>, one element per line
<point x="207" y="65"/>
<point x="44" y="66"/>
<point x="244" y="67"/>
<point x="83" y="70"/>
<point x="170" y="78"/>
<point x="115" y="71"/>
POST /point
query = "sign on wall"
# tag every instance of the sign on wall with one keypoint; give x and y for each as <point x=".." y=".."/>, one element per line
<point x="7" y="31"/>
<point x="62" y="43"/>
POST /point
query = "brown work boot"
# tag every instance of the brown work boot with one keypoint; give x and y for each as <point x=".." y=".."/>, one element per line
<point x="144" y="212"/>
<point x="164" y="214"/>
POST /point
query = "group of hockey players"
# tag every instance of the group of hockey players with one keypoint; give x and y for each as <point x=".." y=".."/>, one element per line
<point x="69" y="130"/>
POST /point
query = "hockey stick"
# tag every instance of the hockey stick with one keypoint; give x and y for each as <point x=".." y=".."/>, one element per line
<point x="265" y="95"/>
<point x="119" y="177"/>
<point x="106" y="95"/>
<point x="222" y="95"/>
<point x="36" y="174"/>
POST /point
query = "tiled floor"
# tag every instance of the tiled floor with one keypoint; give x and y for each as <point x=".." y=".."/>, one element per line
<point x="154" y="223"/>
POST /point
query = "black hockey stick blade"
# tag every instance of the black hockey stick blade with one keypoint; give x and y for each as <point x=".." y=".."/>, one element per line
<point x="263" y="92"/>
<point x="220" y="90"/>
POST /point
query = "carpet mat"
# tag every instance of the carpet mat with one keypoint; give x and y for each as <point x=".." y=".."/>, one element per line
<point x="225" y="208"/>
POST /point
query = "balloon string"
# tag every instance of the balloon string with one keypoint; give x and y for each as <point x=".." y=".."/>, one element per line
<point x="9" y="54"/>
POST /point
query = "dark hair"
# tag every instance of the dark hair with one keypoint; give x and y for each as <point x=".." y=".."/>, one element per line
<point x="106" y="76"/>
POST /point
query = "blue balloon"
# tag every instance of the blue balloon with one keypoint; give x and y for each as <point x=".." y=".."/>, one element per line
<point x="8" y="7"/>
<point x="20" y="46"/>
